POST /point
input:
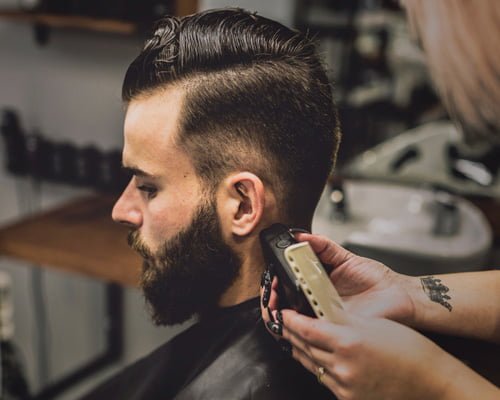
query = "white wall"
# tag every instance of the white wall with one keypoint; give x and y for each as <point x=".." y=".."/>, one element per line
<point x="70" y="90"/>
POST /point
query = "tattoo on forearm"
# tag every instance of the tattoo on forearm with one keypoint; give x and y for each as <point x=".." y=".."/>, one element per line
<point x="436" y="291"/>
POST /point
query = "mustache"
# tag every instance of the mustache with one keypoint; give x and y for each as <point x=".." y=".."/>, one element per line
<point x="137" y="244"/>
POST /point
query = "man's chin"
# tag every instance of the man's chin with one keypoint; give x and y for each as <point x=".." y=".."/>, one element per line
<point x="168" y="318"/>
<point x="170" y="300"/>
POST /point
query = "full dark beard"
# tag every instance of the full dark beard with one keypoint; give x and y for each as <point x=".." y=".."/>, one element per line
<point x="190" y="272"/>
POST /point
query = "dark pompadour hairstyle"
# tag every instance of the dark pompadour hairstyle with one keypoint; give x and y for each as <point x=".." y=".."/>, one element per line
<point x="256" y="98"/>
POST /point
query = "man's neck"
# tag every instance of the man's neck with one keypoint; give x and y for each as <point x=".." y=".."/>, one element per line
<point x="247" y="284"/>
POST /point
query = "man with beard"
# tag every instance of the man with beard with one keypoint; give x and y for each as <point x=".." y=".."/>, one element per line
<point x="230" y="127"/>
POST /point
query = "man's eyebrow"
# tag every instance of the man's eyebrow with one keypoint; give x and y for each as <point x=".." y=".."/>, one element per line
<point x="138" y="172"/>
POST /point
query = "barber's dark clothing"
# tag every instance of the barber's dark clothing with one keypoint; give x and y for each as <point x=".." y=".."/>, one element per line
<point x="227" y="355"/>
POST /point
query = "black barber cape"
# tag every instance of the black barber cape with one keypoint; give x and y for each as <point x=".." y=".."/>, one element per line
<point x="226" y="356"/>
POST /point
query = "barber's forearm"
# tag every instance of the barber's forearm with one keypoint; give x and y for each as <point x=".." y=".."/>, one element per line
<point x="463" y="304"/>
<point x="460" y="382"/>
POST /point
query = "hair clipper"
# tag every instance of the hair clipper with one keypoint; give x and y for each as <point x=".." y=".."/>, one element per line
<point x="303" y="283"/>
<point x="274" y="240"/>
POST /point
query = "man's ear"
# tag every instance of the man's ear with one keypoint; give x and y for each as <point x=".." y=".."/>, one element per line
<point x="243" y="201"/>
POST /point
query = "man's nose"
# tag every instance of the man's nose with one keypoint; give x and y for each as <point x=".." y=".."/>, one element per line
<point x="126" y="209"/>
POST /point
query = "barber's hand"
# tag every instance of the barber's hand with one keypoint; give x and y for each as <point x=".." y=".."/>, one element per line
<point x="369" y="358"/>
<point x="367" y="287"/>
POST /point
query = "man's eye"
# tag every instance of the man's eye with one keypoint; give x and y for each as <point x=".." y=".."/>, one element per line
<point x="149" y="190"/>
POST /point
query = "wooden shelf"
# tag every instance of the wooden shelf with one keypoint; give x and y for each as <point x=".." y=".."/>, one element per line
<point x="181" y="7"/>
<point x="77" y="237"/>
<point x="185" y="7"/>
<point x="71" y="21"/>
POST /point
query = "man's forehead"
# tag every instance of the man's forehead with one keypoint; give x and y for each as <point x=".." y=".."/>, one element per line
<point x="151" y="126"/>
<point x="154" y="113"/>
<point x="150" y="129"/>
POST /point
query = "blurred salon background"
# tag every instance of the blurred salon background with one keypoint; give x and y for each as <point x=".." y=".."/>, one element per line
<point x="408" y="189"/>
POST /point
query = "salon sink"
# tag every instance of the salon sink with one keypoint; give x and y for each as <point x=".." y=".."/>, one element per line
<point x="426" y="155"/>
<point x="415" y="231"/>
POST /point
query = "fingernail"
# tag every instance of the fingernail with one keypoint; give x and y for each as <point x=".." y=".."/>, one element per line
<point x="267" y="294"/>
<point x="266" y="276"/>
<point x="299" y="230"/>
<point x="279" y="317"/>
<point x="265" y="297"/>
<point x="270" y="313"/>
<point x="275" y="328"/>
<point x="285" y="346"/>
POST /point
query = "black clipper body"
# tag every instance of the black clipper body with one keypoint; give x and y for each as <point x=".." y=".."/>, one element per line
<point x="274" y="240"/>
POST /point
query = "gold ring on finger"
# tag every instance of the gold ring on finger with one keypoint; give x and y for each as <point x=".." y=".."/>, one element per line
<point x="320" y="373"/>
